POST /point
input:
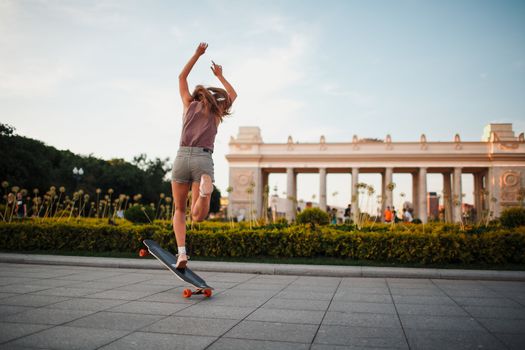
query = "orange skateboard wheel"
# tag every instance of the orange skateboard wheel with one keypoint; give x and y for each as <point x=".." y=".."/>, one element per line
<point x="207" y="293"/>
<point x="143" y="253"/>
<point x="186" y="293"/>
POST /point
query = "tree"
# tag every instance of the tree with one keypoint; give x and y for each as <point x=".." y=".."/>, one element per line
<point x="215" y="203"/>
<point x="31" y="164"/>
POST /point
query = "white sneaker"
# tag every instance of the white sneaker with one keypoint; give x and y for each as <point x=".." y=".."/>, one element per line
<point x="206" y="186"/>
<point x="182" y="261"/>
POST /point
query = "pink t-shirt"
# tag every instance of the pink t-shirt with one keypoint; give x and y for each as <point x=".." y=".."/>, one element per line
<point x="199" y="127"/>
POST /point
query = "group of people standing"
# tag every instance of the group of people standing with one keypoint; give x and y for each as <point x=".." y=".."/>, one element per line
<point x="390" y="215"/>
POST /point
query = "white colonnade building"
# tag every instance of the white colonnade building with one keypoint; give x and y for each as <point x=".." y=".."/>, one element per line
<point x="497" y="163"/>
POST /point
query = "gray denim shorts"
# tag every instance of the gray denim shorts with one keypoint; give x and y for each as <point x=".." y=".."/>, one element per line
<point x="190" y="164"/>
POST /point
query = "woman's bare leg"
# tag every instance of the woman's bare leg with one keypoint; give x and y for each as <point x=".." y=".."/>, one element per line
<point x="180" y="197"/>
<point x="200" y="206"/>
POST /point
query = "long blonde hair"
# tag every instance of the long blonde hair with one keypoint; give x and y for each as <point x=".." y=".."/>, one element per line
<point x="215" y="100"/>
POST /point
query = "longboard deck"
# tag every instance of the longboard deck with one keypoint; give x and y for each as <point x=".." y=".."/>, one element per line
<point x="170" y="261"/>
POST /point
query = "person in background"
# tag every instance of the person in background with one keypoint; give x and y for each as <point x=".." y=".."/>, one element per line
<point x="21" y="207"/>
<point x="348" y="214"/>
<point x="388" y="214"/>
<point x="407" y="216"/>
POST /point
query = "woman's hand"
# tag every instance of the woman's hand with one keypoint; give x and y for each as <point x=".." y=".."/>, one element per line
<point x="216" y="69"/>
<point x="201" y="49"/>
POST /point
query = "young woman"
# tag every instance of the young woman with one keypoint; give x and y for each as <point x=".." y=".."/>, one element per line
<point x="204" y="110"/>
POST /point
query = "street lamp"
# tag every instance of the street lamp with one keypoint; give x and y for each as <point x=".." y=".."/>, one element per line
<point x="77" y="174"/>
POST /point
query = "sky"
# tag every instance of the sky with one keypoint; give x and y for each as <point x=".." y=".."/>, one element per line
<point x="100" y="77"/>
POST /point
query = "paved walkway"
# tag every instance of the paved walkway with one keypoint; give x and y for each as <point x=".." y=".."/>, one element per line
<point x="271" y="269"/>
<point x="70" y="307"/>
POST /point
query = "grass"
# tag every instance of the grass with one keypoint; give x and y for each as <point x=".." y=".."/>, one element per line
<point x="296" y="260"/>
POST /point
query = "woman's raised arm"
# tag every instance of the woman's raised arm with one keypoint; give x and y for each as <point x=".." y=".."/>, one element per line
<point x="183" y="76"/>
<point x="217" y="70"/>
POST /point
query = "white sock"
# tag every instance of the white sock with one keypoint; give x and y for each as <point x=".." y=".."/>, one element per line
<point x="182" y="250"/>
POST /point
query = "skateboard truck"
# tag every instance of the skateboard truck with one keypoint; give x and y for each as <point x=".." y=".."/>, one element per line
<point x="186" y="293"/>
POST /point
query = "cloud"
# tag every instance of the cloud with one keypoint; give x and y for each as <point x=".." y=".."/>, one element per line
<point x="266" y="80"/>
<point x="33" y="77"/>
<point x="353" y="97"/>
<point x="102" y="13"/>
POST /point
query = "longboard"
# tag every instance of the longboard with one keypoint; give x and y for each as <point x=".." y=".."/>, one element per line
<point x="186" y="275"/>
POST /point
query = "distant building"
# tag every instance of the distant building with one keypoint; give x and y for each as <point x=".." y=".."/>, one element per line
<point x="496" y="164"/>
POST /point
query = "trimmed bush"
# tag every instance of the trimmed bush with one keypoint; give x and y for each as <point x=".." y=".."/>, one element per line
<point x="438" y="244"/>
<point x="139" y="214"/>
<point x="513" y="217"/>
<point x="314" y="216"/>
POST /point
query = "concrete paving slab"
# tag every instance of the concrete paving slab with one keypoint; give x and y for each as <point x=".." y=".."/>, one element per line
<point x="375" y="308"/>
<point x="512" y="341"/>
<point x="297" y="304"/>
<point x="170" y="296"/>
<point x="486" y="302"/>
<point x="317" y="281"/>
<point x="246" y="344"/>
<point x="450" y="339"/>
<point x="10" y="331"/>
<point x="361" y="320"/>
<point x="510" y="313"/>
<point x="349" y="295"/>
<point x="85" y="304"/>
<point x="7" y="310"/>
<point x="429" y="292"/>
<point x="191" y="326"/>
<point x="423" y="300"/>
<point x="67" y="292"/>
<point x="115" y="321"/>
<point x="243" y="301"/>
<point x="445" y="323"/>
<point x="431" y="310"/>
<point x="305" y="294"/>
<point x="361" y="336"/>
<point x="7" y="295"/>
<point x="149" y="308"/>
<point x="350" y="290"/>
<point x="157" y="341"/>
<point x="498" y="325"/>
<point x="32" y="300"/>
<point x="121" y="294"/>
<point x="287" y="316"/>
<point x="253" y="286"/>
<point x="22" y="288"/>
<point x="297" y="333"/>
<point x="348" y="347"/>
<point x="45" y="316"/>
<point x="249" y="293"/>
<point x="70" y="338"/>
<point x="210" y="310"/>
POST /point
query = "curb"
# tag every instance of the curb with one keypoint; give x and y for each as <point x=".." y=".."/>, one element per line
<point x="269" y="269"/>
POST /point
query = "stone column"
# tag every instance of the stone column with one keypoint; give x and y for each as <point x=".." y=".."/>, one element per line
<point x="457" y="198"/>
<point x="415" y="196"/>
<point x="422" y="195"/>
<point x="387" y="194"/>
<point x="355" y="194"/>
<point x="265" y="196"/>
<point x="322" y="189"/>
<point x="494" y="187"/>
<point x="447" y="197"/>
<point x="478" y="187"/>
<point x="290" y="192"/>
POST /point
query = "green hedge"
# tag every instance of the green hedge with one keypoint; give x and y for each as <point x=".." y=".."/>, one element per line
<point x="438" y="245"/>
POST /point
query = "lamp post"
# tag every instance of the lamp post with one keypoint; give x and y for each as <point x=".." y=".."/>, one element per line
<point x="77" y="174"/>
